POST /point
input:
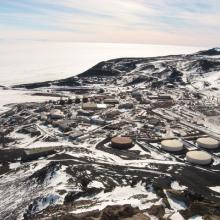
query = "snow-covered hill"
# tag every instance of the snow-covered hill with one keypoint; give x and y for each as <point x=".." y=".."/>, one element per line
<point x="22" y="62"/>
<point x="199" y="71"/>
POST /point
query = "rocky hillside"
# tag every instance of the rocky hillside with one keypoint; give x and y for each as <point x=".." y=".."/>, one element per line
<point x="153" y="72"/>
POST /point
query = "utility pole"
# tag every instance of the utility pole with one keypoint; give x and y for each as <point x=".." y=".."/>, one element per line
<point x="2" y="137"/>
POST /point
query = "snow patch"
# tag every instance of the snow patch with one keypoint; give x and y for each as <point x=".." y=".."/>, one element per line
<point x="215" y="188"/>
<point x="14" y="165"/>
<point x="96" y="184"/>
<point x="175" y="185"/>
<point x="176" y="216"/>
<point x="137" y="196"/>
<point x="174" y="203"/>
<point x="43" y="203"/>
<point x="18" y="96"/>
<point x="196" y="217"/>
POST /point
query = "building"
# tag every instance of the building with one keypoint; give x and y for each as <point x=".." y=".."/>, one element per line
<point x="164" y="96"/>
<point x="89" y="106"/>
<point x="56" y="114"/>
<point x="162" y="104"/>
<point x="111" y="101"/>
<point x="93" y="106"/>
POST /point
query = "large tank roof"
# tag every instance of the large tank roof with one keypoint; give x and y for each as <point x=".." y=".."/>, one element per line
<point x="199" y="157"/>
<point x="172" y="145"/>
<point x="208" y="143"/>
<point x="121" y="142"/>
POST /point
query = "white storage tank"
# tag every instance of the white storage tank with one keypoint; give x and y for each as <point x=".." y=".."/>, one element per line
<point x="199" y="157"/>
<point x="173" y="145"/>
<point x="208" y="143"/>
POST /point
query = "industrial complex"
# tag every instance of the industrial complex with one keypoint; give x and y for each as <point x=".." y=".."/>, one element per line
<point x="153" y="140"/>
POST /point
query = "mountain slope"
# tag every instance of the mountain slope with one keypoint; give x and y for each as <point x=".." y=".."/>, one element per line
<point x="178" y="70"/>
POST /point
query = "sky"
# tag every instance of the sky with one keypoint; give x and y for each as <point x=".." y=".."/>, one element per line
<point x="178" y="22"/>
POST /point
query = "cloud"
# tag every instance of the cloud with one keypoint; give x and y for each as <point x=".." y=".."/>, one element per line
<point x="192" y="22"/>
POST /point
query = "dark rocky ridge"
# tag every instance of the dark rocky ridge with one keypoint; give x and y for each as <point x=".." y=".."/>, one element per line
<point x="210" y="52"/>
<point x="169" y="69"/>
